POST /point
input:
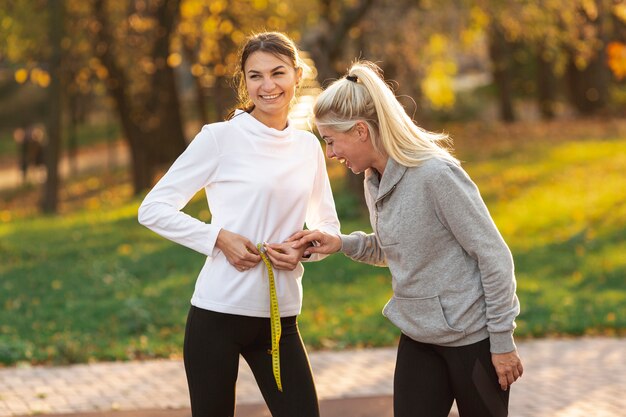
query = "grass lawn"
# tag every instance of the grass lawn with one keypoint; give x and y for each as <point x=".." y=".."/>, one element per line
<point x="94" y="285"/>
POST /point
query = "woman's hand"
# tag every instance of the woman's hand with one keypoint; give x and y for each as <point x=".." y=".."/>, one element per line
<point x="283" y="255"/>
<point x="322" y="242"/>
<point x="508" y="367"/>
<point x="239" y="251"/>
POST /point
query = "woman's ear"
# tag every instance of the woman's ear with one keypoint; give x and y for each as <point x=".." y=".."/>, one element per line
<point x="299" y="73"/>
<point x="362" y="130"/>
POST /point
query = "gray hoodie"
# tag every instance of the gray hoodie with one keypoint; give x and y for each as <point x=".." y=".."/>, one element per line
<point x="453" y="276"/>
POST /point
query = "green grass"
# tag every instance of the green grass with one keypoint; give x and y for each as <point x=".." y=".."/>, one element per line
<point x="94" y="285"/>
<point x="563" y="211"/>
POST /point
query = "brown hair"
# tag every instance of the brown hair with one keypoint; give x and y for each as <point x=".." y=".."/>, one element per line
<point x="275" y="43"/>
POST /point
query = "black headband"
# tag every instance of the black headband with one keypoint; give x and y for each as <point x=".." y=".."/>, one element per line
<point x="352" y="78"/>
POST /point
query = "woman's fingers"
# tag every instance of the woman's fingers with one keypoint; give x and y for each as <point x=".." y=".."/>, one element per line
<point x="251" y="248"/>
<point x="304" y="238"/>
<point x="298" y="235"/>
<point x="508" y="368"/>
<point x="282" y="256"/>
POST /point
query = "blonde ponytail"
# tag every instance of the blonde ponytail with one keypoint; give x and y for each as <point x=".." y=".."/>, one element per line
<point x="364" y="95"/>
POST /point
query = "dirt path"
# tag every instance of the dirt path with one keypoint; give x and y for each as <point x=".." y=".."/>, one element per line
<point x="96" y="157"/>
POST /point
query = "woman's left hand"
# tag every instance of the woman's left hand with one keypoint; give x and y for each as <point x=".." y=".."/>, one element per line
<point x="508" y="367"/>
<point x="283" y="256"/>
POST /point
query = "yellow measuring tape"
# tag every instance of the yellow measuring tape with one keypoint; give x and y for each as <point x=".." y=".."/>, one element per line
<point x="274" y="318"/>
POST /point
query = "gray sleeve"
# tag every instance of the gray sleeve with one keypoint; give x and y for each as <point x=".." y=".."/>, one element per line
<point x="461" y="209"/>
<point x="363" y="247"/>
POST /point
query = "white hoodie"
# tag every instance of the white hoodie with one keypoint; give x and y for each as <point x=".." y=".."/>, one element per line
<point x="261" y="183"/>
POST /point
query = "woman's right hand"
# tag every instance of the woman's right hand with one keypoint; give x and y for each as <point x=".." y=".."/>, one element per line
<point x="239" y="251"/>
<point x="322" y="242"/>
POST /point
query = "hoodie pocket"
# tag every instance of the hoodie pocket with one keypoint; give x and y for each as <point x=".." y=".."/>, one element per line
<point x="422" y="319"/>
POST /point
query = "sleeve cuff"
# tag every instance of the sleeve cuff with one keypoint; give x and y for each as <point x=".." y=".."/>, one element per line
<point x="349" y="244"/>
<point x="502" y="342"/>
<point x="213" y="234"/>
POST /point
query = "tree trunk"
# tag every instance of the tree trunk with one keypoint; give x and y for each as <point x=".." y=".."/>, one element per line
<point x="325" y="42"/>
<point x="151" y="124"/>
<point x="50" y="201"/>
<point x="72" y="138"/>
<point x="501" y="61"/>
<point x="546" y="85"/>
<point x="223" y="98"/>
<point x="325" y="45"/>
<point x="589" y="86"/>
<point x="199" y="89"/>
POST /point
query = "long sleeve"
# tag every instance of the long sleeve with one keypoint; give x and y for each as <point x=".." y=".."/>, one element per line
<point x="161" y="212"/>
<point x="363" y="247"/>
<point x="460" y="208"/>
<point x="321" y="213"/>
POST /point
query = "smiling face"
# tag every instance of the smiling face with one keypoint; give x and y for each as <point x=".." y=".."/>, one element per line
<point x="353" y="148"/>
<point x="271" y="85"/>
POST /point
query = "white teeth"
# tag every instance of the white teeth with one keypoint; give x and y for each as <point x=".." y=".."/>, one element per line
<point x="342" y="160"/>
<point x="270" y="97"/>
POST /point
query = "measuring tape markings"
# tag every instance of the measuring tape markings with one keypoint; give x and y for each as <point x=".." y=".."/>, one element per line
<point x="274" y="318"/>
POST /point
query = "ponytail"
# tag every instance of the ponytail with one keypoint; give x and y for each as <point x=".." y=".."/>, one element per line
<point x="364" y="95"/>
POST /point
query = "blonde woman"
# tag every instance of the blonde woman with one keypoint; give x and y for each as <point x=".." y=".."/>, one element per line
<point x="452" y="273"/>
<point x="263" y="180"/>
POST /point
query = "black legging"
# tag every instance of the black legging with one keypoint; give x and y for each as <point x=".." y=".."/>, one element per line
<point x="429" y="377"/>
<point x="213" y="343"/>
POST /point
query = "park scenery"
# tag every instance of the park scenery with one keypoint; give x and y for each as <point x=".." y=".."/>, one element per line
<point x="97" y="98"/>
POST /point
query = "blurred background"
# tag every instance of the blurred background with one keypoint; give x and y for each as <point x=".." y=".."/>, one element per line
<point x="98" y="97"/>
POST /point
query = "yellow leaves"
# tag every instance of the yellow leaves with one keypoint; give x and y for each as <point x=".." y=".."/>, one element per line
<point x="141" y="24"/>
<point x="226" y="27"/>
<point x="210" y="25"/>
<point x="147" y="65"/>
<point x="217" y="7"/>
<point x="259" y="4"/>
<point x="591" y="9"/>
<point x="197" y="70"/>
<point x="190" y="9"/>
<point x="437" y="44"/>
<point x="238" y="37"/>
<point x="37" y="76"/>
<point x="21" y="75"/>
<point x="616" y="53"/>
<point x="186" y="28"/>
<point x="219" y="70"/>
<point x="6" y="22"/>
<point x="437" y="84"/>
<point x="174" y="60"/>
<point x="40" y="77"/>
<point x="282" y="9"/>
<point x="5" y="216"/>
<point x="13" y="304"/>
<point x="124" y="249"/>
<point x="476" y="28"/>
<point x="276" y="23"/>
<point x="101" y="72"/>
<point x="355" y="33"/>
<point x="619" y="10"/>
